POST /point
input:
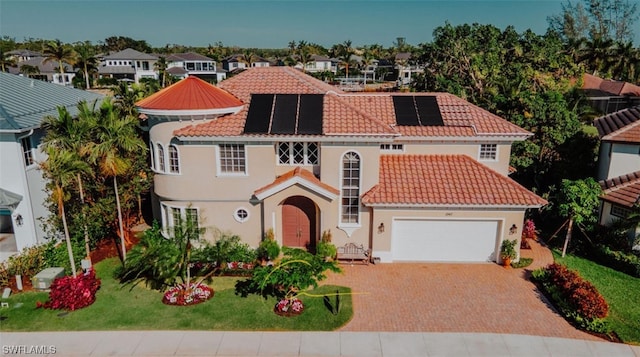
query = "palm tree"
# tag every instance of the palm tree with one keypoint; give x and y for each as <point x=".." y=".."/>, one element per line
<point x="71" y="135"/>
<point x="247" y="58"/>
<point x="597" y="54"/>
<point x="59" y="52"/>
<point x="6" y="60"/>
<point x="86" y="59"/>
<point x="115" y="139"/>
<point x="345" y="55"/>
<point x="61" y="166"/>
<point x="161" y="68"/>
<point x="29" y="70"/>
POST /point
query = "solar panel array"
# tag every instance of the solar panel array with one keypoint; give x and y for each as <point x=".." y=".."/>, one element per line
<point x="285" y="114"/>
<point x="417" y="111"/>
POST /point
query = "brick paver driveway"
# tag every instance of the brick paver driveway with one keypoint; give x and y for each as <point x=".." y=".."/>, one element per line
<point x="435" y="297"/>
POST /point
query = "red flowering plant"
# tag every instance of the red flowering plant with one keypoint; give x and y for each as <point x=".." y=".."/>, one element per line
<point x="72" y="293"/>
<point x="182" y="294"/>
<point x="291" y="306"/>
<point x="528" y="232"/>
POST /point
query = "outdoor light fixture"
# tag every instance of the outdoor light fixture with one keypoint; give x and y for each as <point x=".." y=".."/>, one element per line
<point x="513" y="229"/>
<point x="381" y="228"/>
<point x="19" y="220"/>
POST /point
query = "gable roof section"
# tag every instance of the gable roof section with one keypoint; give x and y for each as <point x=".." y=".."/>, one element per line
<point x="130" y="54"/>
<point x="191" y="93"/>
<point x="597" y="86"/>
<point x="297" y="176"/>
<point x="188" y="56"/>
<point x="622" y="190"/>
<point x="445" y="181"/>
<point x="620" y="126"/>
<point x="24" y="102"/>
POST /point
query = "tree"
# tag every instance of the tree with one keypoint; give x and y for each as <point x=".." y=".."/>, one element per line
<point x="29" y="70"/>
<point x="72" y="136"/>
<point x="578" y="201"/>
<point x="115" y="140"/>
<point x="61" y="167"/>
<point x="6" y="60"/>
<point x="345" y="53"/>
<point x="86" y="60"/>
<point x="161" y="67"/>
<point x="603" y="19"/>
<point x="60" y="53"/>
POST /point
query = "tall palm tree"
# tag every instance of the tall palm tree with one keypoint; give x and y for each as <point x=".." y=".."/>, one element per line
<point x="161" y="68"/>
<point x="345" y="55"/>
<point x="115" y="140"/>
<point x="62" y="166"/>
<point x="6" y="60"/>
<point x="60" y="53"/>
<point x="86" y="60"/>
<point x="29" y="70"/>
<point x="71" y="135"/>
<point x="597" y="54"/>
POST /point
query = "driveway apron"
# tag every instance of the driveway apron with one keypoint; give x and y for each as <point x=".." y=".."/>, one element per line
<point x="435" y="297"/>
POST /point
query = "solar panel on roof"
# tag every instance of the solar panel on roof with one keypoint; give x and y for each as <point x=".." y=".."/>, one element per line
<point x="259" y="115"/>
<point x="284" y="114"/>
<point x="428" y="111"/>
<point x="310" y="114"/>
<point x="405" y="110"/>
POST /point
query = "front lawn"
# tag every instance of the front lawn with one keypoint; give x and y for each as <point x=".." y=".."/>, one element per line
<point x="620" y="290"/>
<point x="118" y="308"/>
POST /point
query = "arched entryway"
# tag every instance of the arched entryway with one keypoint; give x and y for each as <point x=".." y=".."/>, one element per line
<point x="299" y="222"/>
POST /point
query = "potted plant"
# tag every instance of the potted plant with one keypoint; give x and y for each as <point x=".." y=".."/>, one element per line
<point x="269" y="249"/>
<point x="508" y="252"/>
<point x="325" y="248"/>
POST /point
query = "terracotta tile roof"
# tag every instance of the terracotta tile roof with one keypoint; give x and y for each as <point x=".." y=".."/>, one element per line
<point x="191" y="93"/>
<point x="298" y="172"/>
<point x="352" y="114"/>
<point x="444" y="180"/>
<point x="623" y="190"/>
<point x="608" y="86"/>
<point x="619" y="126"/>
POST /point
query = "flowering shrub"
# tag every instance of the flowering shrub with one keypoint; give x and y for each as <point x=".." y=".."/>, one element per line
<point x="182" y="295"/>
<point x="528" y="232"/>
<point x="289" y="306"/>
<point x="72" y="293"/>
<point x="577" y="298"/>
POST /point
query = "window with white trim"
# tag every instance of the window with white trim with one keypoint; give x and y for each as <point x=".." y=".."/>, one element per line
<point x="296" y="153"/>
<point x="173" y="216"/>
<point x="350" y="188"/>
<point x="391" y="147"/>
<point x="174" y="160"/>
<point x="232" y="158"/>
<point x="619" y="211"/>
<point x="241" y="215"/>
<point x="27" y="150"/>
<point x="488" y="152"/>
<point x="160" y="157"/>
<point x="152" y="156"/>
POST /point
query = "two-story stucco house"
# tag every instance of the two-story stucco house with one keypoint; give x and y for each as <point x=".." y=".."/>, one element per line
<point x="24" y="102"/>
<point x="414" y="177"/>
<point x="619" y="164"/>
<point x="128" y="64"/>
<point x="182" y="65"/>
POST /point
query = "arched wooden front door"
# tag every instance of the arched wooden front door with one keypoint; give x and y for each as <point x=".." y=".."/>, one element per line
<point x="299" y="222"/>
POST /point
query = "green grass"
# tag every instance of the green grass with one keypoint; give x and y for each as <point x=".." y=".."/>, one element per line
<point x="621" y="291"/>
<point x="118" y="308"/>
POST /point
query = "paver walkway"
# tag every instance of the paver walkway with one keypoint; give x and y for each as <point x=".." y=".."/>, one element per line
<point x="434" y="297"/>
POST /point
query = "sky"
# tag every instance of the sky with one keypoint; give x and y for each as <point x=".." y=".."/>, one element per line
<point x="262" y="23"/>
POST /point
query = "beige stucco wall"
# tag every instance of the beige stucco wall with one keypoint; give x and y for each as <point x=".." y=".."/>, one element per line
<point x="501" y="164"/>
<point x="381" y="241"/>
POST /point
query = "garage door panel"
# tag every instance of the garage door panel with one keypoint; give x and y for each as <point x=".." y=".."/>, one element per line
<point x="444" y="240"/>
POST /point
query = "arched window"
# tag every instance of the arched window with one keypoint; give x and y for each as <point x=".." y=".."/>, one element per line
<point x="350" y="188"/>
<point x="153" y="156"/>
<point x="174" y="160"/>
<point x="160" y="158"/>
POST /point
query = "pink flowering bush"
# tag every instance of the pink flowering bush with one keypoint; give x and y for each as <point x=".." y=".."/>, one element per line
<point x="528" y="232"/>
<point x="192" y="294"/>
<point x="292" y="306"/>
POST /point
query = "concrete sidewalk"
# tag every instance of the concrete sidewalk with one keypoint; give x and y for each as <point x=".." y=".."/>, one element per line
<point x="219" y="343"/>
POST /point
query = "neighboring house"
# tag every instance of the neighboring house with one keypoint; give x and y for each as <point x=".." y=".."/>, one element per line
<point x="319" y="63"/>
<point x="128" y="64"/>
<point x="237" y="62"/>
<point x="47" y="71"/>
<point x="23" y="55"/>
<point x="24" y="102"/>
<point x="609" y="96"/>
<point x="619" y="164"/>
<point x="260" y="62"/>
<point x="182" y="65"/>
<point x="414" y="177"/>
<point x="406" y="69"/>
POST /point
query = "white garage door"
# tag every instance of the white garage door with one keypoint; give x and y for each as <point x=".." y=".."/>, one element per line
<point x="444" y="240"/>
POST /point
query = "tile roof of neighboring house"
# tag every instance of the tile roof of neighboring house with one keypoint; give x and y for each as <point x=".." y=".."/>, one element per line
<point x="620" y="126"/>
<point x="44" y="66"/>
<point x="24" y="102"/>
<point x="623" y="190"/>
<point x="189" y="56"/>
<point x="177" y="71"/>
<point x="320" y="58"/>
<point x="607" y="87"/>
<point x="352" y="114"/>
<point x="297" y="175"/>
<point x="130" y="54"/>
<point x="116" y="69"/>
<point x="191" y="93"/>
<point x="24" y="53"/>
<point x="445" y="180"/>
